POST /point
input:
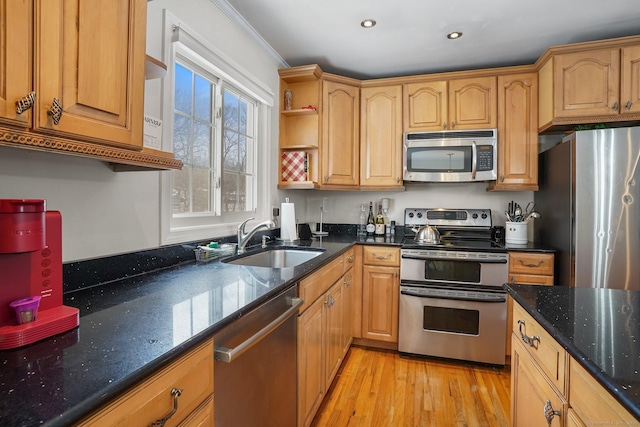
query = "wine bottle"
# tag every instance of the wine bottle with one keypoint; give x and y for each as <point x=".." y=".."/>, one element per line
<point x="379" y="222"/>
<point x="371" y="226"/>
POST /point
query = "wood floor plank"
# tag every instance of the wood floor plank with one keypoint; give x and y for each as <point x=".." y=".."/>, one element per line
<point x="381" y="388"/>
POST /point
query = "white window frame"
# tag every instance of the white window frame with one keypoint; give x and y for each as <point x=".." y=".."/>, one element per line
<point x="181" y="41"/>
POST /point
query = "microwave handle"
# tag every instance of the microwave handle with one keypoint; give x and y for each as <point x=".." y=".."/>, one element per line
<point x="474" y="159"/>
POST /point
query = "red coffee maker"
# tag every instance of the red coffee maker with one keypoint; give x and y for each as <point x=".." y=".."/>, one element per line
<point x="31" y="274"/>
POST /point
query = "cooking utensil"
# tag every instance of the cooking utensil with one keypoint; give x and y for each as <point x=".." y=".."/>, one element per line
<point x="426" y="234"/>
<point x="532" y="214"/>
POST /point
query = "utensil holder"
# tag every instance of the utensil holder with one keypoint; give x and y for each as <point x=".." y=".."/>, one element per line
<point x="516" y="232"/>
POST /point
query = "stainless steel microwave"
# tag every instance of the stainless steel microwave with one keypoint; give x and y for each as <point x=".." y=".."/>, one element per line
<point x="450" y="156"/>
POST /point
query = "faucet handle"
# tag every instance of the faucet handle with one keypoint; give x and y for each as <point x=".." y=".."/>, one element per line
<point x="241" y="226"/>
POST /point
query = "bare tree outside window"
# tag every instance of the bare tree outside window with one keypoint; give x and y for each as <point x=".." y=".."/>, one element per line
<point x="199" y="188"/>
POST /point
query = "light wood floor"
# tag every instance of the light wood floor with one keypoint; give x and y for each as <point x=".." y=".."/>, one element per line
<point x="380" y="388"/>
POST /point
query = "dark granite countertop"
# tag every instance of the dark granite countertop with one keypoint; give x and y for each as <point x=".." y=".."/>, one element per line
<point x="529" y="247"/>
<point x="598" y="327"/>
<point x="130" y="328"/>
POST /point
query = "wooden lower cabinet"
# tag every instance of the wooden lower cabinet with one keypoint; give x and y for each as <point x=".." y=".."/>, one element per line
<point x="531" y="392"/>
<point x="543" y="374"/>
<point x="152" y="398"/>
<point x="324" y="334"/>
<point x="380" y="293"/>
<point x="531" y="268"/>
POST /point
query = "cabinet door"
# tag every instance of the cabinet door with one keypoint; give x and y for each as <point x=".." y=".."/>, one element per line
<point x="587" y="83"/>
<point x="90" y="56"/>
<point x="518" y="132"/>
<point x="630" y="83"/>
<point x="333" y="311"/>
<point x="381" y="136"/>
<point x="530" y="392"/>
<point x="347" y="315"/>
<point x="15" y="59"/>
<point x="473" y="103"/>
<point x="310" y="362"/>
<point x="425" y="106"/>
<point x="380" y="292"/>
<point x="340" y="134"/>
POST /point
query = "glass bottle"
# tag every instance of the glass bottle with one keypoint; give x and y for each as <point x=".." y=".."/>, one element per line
<point x="362" y="225"/>
<point x="371" y="226"/>
<point x="379" y="222"/>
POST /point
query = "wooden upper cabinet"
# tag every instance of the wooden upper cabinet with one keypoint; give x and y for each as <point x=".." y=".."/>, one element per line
<point x="425" y="106"/>
<point x="595" y="82"/>
<point x="381" y="137"/>
<point x="340" y="134"/>
<point x="517" y="133"/>
<point x="587" y="83"/>
<point x="16" y="29"/>
<point x="91" y="57"/>
<point x="473" y="103"/>
<point x="630" y="80"/>
<point x="468" y="103"/>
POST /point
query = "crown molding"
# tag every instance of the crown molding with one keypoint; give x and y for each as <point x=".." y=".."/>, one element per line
<point x="239" y="20"/>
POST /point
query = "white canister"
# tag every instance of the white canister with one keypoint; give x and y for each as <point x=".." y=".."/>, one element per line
<point x="516" y="232"/>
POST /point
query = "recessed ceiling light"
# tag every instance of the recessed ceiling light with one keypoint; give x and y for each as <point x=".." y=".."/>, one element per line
<point x="368" y="23"/>
<point x="454" y="35"/>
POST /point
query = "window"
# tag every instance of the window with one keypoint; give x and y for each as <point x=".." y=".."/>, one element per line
<point x="215" y="141"/>
<point x="216" y="120"/>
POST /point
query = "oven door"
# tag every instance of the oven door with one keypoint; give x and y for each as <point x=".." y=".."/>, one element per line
<point x="437" y="267"/>
<point x="463" y="324"/>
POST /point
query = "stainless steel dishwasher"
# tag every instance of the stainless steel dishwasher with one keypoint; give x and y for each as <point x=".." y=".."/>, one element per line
<point x="255" y="373"/>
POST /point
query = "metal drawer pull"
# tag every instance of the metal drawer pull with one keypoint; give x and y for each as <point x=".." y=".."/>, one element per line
<point x="350" y="259"/>
<point x="227" y="355"/>
<point x="530" y="341"/>
<point x="549" y="412"/>
<point x="532" y="265"/>
<point x="175" y="392"/>
<point x="25" y="103"/>
<point x="380" y="257"/>
<point x="628" y="106"/>
<point x="615" y="106"/>
<point x="347" y="283"/>
<point x="55" y="111"/>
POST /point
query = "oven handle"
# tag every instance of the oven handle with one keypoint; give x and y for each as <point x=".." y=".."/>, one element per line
<point x="415" y="294"/>
<point x="481" y="261"/>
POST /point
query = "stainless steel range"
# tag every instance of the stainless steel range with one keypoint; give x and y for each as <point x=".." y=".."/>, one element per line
<point x="452" y="303"/>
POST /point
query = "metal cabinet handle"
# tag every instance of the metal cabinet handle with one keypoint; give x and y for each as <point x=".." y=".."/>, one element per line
<point x="347" y="282"/>
<point x="398" y="180"/>
<point x="501" y="178"/>
<point x="615" y="107"/>
<point x="628" y="106"/>
<point x="444" y="125"/>
<point x="453" y="125"/>
<point x="549" y="412"/>
<point x="55" y="111"/>
<point x="531" y="265"/>
<point x="25" y="103"/>
<point x="381" y="257"/>
<point x="350" y="259"/>
<point x="175" y="392"/>
<point x="228" y="355"/>
<point x="395" y="274"/>
<point x="530" y="341"/>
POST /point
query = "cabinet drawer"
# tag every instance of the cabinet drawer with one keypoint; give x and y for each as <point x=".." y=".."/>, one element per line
<point x="546" y="351"/>
<point x="531" y="279"/>
<point x="152" y="400"/>
<point x="349" y="259"/>
<point x="591" y="402"/>
<point x="317" y="284"/>
<point x="531" y="263"/>
<point x="381" y="255"/>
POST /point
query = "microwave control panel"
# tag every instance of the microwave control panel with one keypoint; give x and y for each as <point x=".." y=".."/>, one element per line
<point x="485" y="158"/>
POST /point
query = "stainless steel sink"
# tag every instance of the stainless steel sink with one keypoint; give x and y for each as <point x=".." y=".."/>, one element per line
<point x="276" y="258"/>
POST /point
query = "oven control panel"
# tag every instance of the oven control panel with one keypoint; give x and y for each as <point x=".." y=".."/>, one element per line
<point x="447" y="217"/>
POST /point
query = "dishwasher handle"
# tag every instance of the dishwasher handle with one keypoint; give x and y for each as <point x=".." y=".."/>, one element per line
<point x="228" y="355"/>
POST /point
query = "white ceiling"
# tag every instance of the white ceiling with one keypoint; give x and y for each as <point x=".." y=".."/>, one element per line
<point x="410" y="35"/>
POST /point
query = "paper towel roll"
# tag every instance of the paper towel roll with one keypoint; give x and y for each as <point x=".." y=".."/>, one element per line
<point x="288" y="230"/>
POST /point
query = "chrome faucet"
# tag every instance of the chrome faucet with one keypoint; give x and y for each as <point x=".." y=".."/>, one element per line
<point x="243" y="237"/>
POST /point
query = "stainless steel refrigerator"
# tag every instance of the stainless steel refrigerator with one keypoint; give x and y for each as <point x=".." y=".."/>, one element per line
<point x="589" y="200"/>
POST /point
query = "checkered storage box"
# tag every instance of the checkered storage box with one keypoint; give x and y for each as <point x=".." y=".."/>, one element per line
<point x="295" y="166"/>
